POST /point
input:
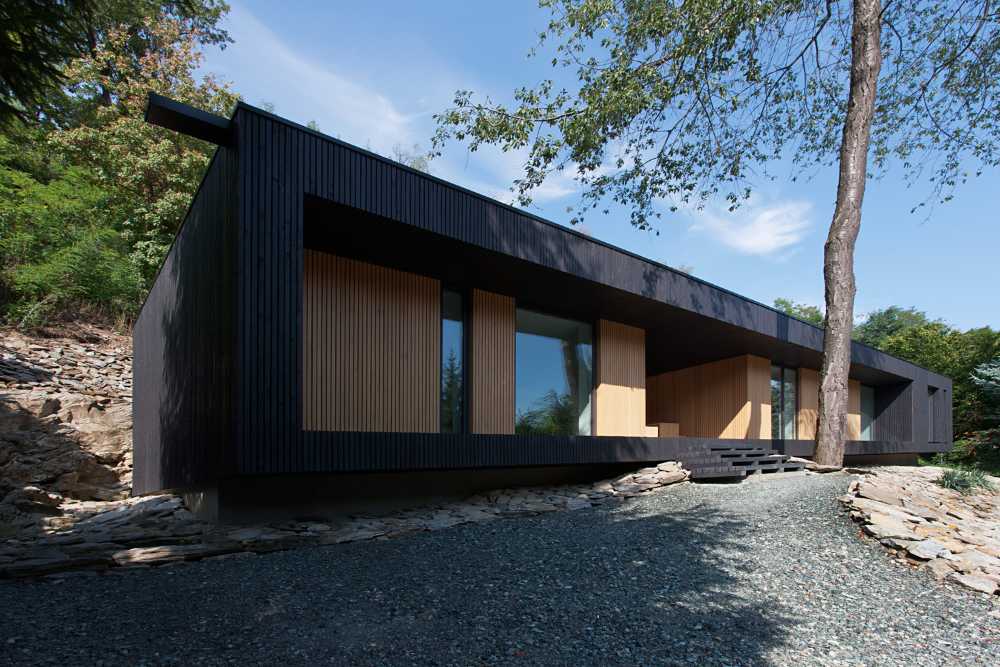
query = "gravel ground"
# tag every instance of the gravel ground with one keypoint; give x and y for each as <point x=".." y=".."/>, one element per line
<point x="765" y="572"/>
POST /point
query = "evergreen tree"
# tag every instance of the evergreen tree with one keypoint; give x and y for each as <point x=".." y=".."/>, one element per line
<point x="451" y="395"/>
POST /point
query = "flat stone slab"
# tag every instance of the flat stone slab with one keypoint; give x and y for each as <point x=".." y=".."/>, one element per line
<point x="955" y="538"/>
<point x="159" y="530"/>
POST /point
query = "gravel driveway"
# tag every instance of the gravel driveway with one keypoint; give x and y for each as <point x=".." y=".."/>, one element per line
<point x="766" y="572"/>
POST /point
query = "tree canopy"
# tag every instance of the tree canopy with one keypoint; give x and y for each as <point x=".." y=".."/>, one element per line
<point x="678" y="103"/>
<point x="40" y="38"/>
<point x="91" y="195"/>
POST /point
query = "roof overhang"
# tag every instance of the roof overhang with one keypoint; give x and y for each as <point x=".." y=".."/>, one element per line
<point x="188" y="120"/>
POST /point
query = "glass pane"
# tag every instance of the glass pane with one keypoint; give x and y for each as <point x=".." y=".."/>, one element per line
<point x="789" y="404"/>
<point x="775" y="401"/>
<point x="867" y="411"/>
<point x="451" y="363"/>
<point x="554" y="375"/>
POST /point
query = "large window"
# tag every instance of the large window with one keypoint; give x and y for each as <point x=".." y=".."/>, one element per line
<point x="554" y="375"/>
<point x="783" y="402"/>
<point x="452" y="386"/>
<point x="867" y="411"/>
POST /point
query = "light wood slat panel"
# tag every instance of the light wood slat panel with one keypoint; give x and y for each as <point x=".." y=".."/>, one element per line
<point x="853" y="410"/>
<point x="759" y="397"/>
<point x="492" y="363"/>
<point x="729" y="398"/>
<point x="620" y="397"/>
<point x="371" y="347"/>
<point x="808" y="412"/>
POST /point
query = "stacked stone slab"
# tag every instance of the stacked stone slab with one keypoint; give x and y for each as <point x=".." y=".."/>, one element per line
<point x="954" y="537"/>
<point x="158" y="530"/>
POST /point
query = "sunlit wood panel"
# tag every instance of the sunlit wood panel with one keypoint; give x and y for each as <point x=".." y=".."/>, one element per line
<point x="729" y="398"/>
<point x="808" y="412"/>
<point x="620" y="396"/>
<point x="853" y="410"/>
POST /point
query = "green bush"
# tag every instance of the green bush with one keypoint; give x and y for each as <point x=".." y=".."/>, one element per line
<point x="58" y="249"/>
<point x="979" y="449"/>
<point x="965" y="480"/>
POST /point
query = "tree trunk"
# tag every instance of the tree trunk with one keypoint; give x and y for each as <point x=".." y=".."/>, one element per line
<point x="838" y="253"/>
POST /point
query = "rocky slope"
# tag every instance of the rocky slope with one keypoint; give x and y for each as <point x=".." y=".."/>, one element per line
<point x="65" y="420"/>
<point x="952" y="536"/>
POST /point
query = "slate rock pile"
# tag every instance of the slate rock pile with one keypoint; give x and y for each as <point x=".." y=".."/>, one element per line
<point x="954" y="537"/>
<point x="65" y="420"/>
<point x="158" y="530"/>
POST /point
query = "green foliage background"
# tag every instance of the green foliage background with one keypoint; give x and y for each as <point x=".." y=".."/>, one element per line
<point x="91" y="196"/>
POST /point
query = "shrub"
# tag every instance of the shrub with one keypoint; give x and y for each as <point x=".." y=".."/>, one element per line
<point x="978" y="449"/>
<point x="965" y="480"/>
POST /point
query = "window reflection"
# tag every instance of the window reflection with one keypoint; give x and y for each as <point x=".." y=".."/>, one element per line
<point x="451" y="362"/>
<point x="554" y="375"/>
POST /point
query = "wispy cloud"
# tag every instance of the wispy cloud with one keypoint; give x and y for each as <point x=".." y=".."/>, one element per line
<point x="308" y="90"/>
<point x="757" y="229"/>
<point x="352" y="107"/>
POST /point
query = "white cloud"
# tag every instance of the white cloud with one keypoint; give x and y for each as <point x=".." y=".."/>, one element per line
<point x="304" y="89"/>
<point x="350" y="105"/>
<point x="755" y="229"/>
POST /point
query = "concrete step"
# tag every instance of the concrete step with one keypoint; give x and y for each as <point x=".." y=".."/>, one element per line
<point x="717" y="472"/>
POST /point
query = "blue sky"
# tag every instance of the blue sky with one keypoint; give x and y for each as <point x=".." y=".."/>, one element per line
<point x="374" y="73"/>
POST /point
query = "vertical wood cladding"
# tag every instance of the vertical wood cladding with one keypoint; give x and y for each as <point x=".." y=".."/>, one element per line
<point x="758" y="397"/>
<point x="620" y="397"/>
<point x="808" y="411"/>
<point x="853" y="410"/>
<point x="371" y="347"/>
<point x="730" y="398"/>
<point x="492" y="363"/>
<point x="183" y="347"/>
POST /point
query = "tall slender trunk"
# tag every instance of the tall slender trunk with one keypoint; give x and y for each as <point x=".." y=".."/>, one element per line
<point x="838" y="253"/>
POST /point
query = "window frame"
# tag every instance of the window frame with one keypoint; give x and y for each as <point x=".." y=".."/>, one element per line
<point x="594" y="352"/>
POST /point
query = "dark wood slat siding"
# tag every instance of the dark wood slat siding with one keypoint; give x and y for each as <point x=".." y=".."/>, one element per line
<point x="278" y="172"/>
<point x="941" y="405"/>
<point x="183" y="336"/>
<point x="342" y="451"/>
<point x="329" y="451"/>
<point x="859" y="447"/>
<point x="456" y="213"/>
<point x="269" y="320"/>
<point x="893" y="412"/>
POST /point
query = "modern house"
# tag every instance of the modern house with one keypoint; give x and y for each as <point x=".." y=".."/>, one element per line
<point x="327" y="316"/>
